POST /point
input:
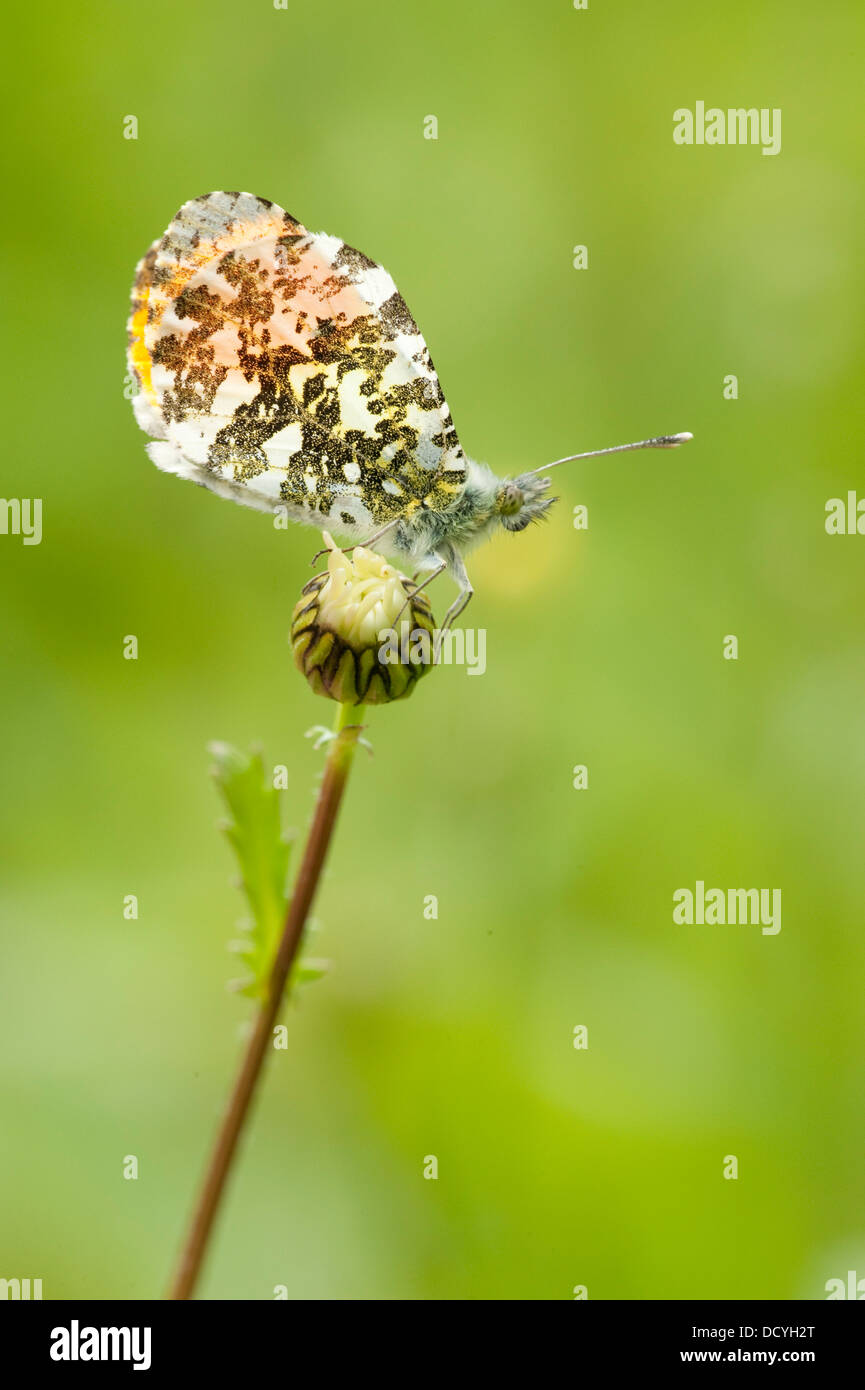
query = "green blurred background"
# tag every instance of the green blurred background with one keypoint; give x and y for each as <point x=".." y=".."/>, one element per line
<point x="451" y="1037"/>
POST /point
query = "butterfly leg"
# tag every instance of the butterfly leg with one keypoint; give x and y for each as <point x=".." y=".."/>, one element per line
<point x="454" y="561"/>
<point x="434" y="574"/>
<point x="347" y="549"/>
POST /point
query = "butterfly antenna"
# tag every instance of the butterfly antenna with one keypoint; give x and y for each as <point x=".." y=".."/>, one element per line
<point x="663" y="441"/>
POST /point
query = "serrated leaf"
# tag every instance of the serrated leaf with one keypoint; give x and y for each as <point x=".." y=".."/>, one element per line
<point x="309" y="968"/>
<point x="254" y="830"/>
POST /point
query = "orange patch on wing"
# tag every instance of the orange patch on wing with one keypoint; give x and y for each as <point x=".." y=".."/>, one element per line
<point x="152" y="301"/>
<point x="242" y="235"/>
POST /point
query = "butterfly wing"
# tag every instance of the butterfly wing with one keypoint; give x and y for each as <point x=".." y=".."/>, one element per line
<point x="278" y="365"/>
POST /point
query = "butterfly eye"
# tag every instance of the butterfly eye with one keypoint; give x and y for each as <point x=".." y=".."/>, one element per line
<point x="510" y="499"/>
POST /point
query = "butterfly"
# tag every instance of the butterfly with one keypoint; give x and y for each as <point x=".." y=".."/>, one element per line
<point x="281" y="368"/>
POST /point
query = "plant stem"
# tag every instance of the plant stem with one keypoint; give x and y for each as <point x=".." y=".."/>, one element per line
<point x="339" y="759"/>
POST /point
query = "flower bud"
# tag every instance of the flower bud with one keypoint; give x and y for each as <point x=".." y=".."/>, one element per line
<point x="340" y="624"/>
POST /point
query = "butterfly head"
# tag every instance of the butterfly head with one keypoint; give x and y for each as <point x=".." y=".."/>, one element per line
<point x="522" y="500"/>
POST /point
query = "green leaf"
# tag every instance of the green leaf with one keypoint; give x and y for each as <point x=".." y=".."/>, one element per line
<point x="254" y="830"/>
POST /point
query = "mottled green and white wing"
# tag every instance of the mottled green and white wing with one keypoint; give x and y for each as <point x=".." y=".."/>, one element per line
<point x="280" y="366"/>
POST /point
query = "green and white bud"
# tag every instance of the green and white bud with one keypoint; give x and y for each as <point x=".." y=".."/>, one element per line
<point x="341" y="623"/>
